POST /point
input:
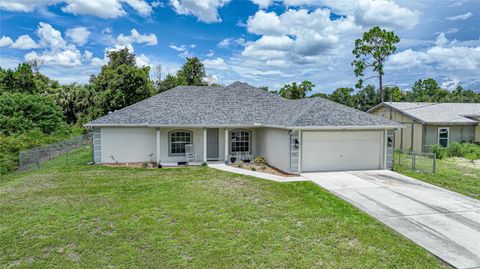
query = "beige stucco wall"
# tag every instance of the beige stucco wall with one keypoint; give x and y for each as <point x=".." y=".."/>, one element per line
<point x="403" y="137"/>
<point x="136" y="144"/>
<point x="127" y="145"/>
<point x="273" y="144"/>
<point x="477" y="133"/>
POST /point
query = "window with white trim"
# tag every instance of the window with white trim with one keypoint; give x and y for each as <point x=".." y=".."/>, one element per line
<point x="240" y="141"/>
<point x="443" y="134"/>
<point x="177" y="142"/>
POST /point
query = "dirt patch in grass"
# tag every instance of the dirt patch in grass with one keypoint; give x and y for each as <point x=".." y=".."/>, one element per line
<point x="262" y="168"/>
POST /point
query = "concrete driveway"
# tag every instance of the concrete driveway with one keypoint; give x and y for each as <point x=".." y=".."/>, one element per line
<point x="443" y="222"/>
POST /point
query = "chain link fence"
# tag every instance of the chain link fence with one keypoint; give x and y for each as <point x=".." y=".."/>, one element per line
<point x="415" y="162"/>
<point x="33" y="158"/>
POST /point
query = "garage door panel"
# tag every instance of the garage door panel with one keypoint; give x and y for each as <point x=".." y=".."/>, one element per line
<point x="329" y="151"/>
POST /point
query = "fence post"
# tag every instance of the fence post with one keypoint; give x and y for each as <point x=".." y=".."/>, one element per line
<point x="413" y="162"/>
<point x="37" y="157"/>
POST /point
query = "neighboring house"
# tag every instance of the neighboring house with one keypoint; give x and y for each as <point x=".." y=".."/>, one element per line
<point x="241" y="121"/>
<point x="430" y="124"/>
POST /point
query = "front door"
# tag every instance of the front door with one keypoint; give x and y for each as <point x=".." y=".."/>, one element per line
<point x="212" y="144"/>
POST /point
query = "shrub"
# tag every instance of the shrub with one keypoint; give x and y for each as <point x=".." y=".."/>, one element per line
<point x="440" y="151"/>
<point x="239" y="164"/>
<point x="263" y="167"/>
<point x="260" y="160"/>
<point x="145" y="165"/>
<point x="471" y="151"/>
<point x="253" y="168"/>
<point x="204" y="163"/>
<point x="455" y="150"/>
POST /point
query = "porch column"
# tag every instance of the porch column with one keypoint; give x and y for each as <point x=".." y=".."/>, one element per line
<point x="300" y="150"/>
<point x="205" y="144"/>
<point x="226" y="146"/>
<point x="158" y="146"/>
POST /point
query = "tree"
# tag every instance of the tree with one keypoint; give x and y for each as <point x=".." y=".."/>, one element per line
<point x="192" y="72"/>
<point x="296" y="91"/>
<point x="120" y="83"/>
<point x="170" y="81"/>
<point x="393" y="94"/>
<point x="343" y="96"/>
<point x="371" y="51"/>
<point x="366" y="98"/>
<point x="21" y="112"/>
<point x="462" y="95"/>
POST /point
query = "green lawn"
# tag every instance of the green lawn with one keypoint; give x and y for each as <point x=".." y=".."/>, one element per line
<point x="458" y="176"/>
<point x="93" y="216"/>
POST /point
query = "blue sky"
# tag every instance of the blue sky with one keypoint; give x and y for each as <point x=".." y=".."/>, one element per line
<point x="262" y="42"/>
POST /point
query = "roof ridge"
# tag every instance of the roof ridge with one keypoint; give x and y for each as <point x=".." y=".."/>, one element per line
<point x="304" y="110"/>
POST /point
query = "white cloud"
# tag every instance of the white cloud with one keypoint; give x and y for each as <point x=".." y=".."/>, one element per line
<point x="136" y="37"/>
<point x="141" y="6"/>
<point x="228" y="42"/>
<point x="103" y="9"/>
<point x="216" y="64"/>
<point x="205" y="10"/>
<point x="5" y="41"/>
<point x="78" y="35"/>
<point x="22" y="42"/>
<point x="461" y="17"/>
<point x="50" y="37"/>
<point x="57" y="52"/>
<point x="70" y="56"/>
<point x="142" y="60"/>
<point x="263" y="3"/>
<point x="180" y="48"/>
<point x="87" y="55"/>
<point x="444" y="55"/>
<point x="441" y="40"/>
<point x="385" y="13"/>
<point x="25" y="5"/>
<point x="264" y="23"/>
<point x="210" y="53"/>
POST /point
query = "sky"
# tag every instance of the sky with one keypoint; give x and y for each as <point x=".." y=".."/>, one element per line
<point x="261" y="42"/>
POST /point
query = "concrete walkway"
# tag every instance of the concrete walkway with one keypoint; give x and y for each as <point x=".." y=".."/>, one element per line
<point x="277" y="178"/>
<point x="443" y="222"/>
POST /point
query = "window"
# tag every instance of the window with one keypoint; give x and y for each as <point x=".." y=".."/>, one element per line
<point x="240" y="141"/>
<point x="178" y="140"/>
<point x="443" y="136"/>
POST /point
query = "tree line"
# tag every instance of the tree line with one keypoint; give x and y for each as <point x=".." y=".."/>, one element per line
<point x="423" y="90"/>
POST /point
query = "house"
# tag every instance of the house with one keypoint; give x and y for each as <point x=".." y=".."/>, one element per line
<point x="240" y="121"/>
<point x="430" y="124"/>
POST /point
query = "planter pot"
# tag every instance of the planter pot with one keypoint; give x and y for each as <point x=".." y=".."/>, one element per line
<point x="233" y="159"/>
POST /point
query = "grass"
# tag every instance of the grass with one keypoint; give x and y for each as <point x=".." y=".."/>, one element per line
<point x="455" y="175"/>
<point x="94" y="216"/>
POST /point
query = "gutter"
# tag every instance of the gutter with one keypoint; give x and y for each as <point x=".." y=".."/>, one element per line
<point x="353" y="127"/>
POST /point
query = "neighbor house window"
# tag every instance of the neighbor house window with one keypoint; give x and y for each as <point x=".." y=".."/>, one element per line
<point x="178" y="140"/>
<point x="240" y="141"/>
<point x="443" y="136"/>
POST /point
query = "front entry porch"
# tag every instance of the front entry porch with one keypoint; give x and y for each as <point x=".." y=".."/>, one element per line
<point x="208" y="145"/>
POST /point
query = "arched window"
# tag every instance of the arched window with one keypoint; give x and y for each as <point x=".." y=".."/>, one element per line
<point x="240" y="141"/>
<point x="177" y="141"/>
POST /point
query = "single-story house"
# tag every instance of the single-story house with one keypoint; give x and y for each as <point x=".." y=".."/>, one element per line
<point x="241" y="121"/>
<point x="428" y="124"/>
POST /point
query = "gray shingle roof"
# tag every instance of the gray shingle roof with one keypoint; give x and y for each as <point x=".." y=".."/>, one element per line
<point x="237" y="104"/>
<point x="439" y="113"/>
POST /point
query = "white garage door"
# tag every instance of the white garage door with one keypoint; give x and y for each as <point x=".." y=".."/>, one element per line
<point x="342" y="150"/>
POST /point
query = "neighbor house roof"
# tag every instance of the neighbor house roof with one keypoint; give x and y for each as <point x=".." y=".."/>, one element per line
<point x="237" y="104"/>
<point x="438" y="113"/>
